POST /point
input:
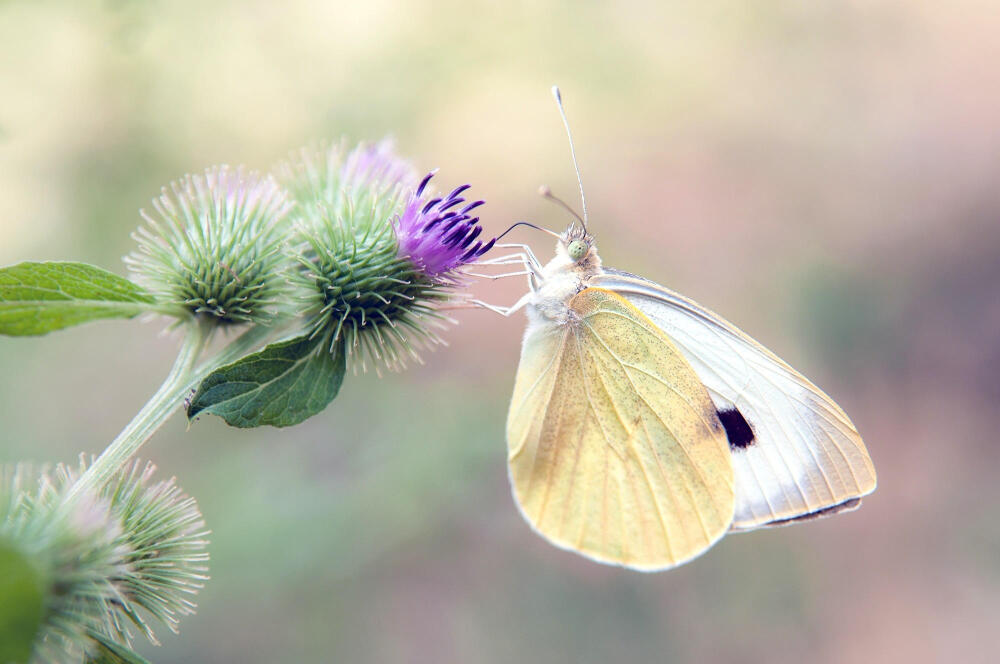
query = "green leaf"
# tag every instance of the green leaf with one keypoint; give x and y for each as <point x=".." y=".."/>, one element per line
<point x="284" y="384"/>
<point x="37" y="298"/>
<point x="112" y="652"/>
<point x="21" y="604"/>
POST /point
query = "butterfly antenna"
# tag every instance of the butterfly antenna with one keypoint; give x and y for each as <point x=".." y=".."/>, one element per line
<point x="530" y="225"/>
<point x="572" y="151"/>
<point x="545" y="192"/>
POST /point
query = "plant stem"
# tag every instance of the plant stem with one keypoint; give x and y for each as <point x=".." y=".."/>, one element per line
<point x="182" y="378"/>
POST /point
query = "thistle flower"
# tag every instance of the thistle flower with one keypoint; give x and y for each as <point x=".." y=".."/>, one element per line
<point x="379" y="255"/>
<point x="134" y="550"/>
<point x="376" y="166"/>
<point x="330" y="182"/>
<point x="212" y="246"/>
<point x="436" y="238"/>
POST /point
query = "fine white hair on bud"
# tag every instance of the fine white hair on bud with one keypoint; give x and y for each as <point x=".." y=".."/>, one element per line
<point x="166" y="546"/>
<point x="131" y="554"/>
<point x="211" y="246"/>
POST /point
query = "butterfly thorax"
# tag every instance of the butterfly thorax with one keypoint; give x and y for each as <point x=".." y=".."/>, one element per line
<point x="561" y="279"/>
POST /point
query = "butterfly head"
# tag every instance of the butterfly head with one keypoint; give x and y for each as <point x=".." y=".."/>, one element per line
<point x="577" y="252"/>
<point x="577" y="243"/>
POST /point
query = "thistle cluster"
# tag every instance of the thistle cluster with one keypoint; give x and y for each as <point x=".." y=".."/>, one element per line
<point x="350" y="242"/>
<point x="131" y="554"/>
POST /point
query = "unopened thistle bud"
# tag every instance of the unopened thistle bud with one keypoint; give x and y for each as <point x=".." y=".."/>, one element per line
<point x="212" y="246"/>
<point x="380" y="252"/>
<point x="76" y="554"/>
<point x="132" y="552"/>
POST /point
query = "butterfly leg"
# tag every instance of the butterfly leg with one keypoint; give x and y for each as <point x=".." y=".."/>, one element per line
<point x="513" y="259"/>
<point x="533" y="270"/>
<point x="519" y="258"/>
<point x="524" y="257"/>
<point x="531" y="262"/>
<point x="526" y="250"/>
<point x="499" y="276"/>
<point x="504" y="311"/>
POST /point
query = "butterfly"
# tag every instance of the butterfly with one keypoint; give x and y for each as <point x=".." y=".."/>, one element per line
<point x="643" y="427"/>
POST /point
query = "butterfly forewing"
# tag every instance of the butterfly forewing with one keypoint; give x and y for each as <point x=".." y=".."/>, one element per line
<point x="615" y="449"/>
<point x="805" y="456"/>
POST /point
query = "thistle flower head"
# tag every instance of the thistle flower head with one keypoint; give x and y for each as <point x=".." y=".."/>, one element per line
<point x="330" y="182"/>
<point x="75" y="552"/>
<point x="164" y="534"/>
<point x="438" y="234"/>
<point x="212" y="246"/>
<point x="378" y="253"/>
<point x="133" y="551"/>
<point x="377" y="166"/>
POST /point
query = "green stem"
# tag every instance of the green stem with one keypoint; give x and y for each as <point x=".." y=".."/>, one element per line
<point x="182" y="378"/>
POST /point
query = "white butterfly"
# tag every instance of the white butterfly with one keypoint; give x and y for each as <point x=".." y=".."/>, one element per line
<point x="643" y="426"/>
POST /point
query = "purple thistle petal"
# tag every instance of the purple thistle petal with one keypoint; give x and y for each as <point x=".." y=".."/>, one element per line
<point x="471" y="253"/>
<point x="431" y="224"/>
<point x="471" y="236"/>
<point x="478" y="250"/>
<point x="436" y="239"/>
<point x="450" y="203"/>
<point x="456" y="235"/>
<point x="423" y="183"/>
<point x="451" y="224"/>
<point x="458" y="190"/>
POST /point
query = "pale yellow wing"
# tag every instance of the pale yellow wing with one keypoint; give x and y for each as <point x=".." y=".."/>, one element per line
<point x="806" y="459"/>
<point x="615" y="450"/>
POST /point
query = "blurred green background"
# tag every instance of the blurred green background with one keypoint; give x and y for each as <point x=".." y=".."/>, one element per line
<point x="824" y="174"/>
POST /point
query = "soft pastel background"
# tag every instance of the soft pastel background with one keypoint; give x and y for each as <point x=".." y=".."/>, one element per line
<point x="827" y="175"/>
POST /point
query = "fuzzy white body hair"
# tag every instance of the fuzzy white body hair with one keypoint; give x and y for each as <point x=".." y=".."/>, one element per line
<point x="561" y="279"/>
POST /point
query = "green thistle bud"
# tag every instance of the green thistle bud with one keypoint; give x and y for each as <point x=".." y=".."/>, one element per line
<point x="378" y="254"/>
<point x="166" y="557"/>
<point x="134" y="551"/>
<point x="212" y="246"/>
<point x="76" y="552"/>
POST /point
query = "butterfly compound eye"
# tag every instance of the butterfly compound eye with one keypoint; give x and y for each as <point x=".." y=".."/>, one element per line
<point x="577" y="249"/>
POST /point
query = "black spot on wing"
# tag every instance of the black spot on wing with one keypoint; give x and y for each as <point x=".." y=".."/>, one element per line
<point x="738" y="430"/>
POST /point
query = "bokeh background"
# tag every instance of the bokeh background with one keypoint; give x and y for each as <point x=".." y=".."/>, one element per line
<point x="827" y="175"/>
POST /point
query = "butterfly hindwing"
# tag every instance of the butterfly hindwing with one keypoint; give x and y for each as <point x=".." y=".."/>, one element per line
<point x="796" y="454"/>
<point x="615" y="449"/>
